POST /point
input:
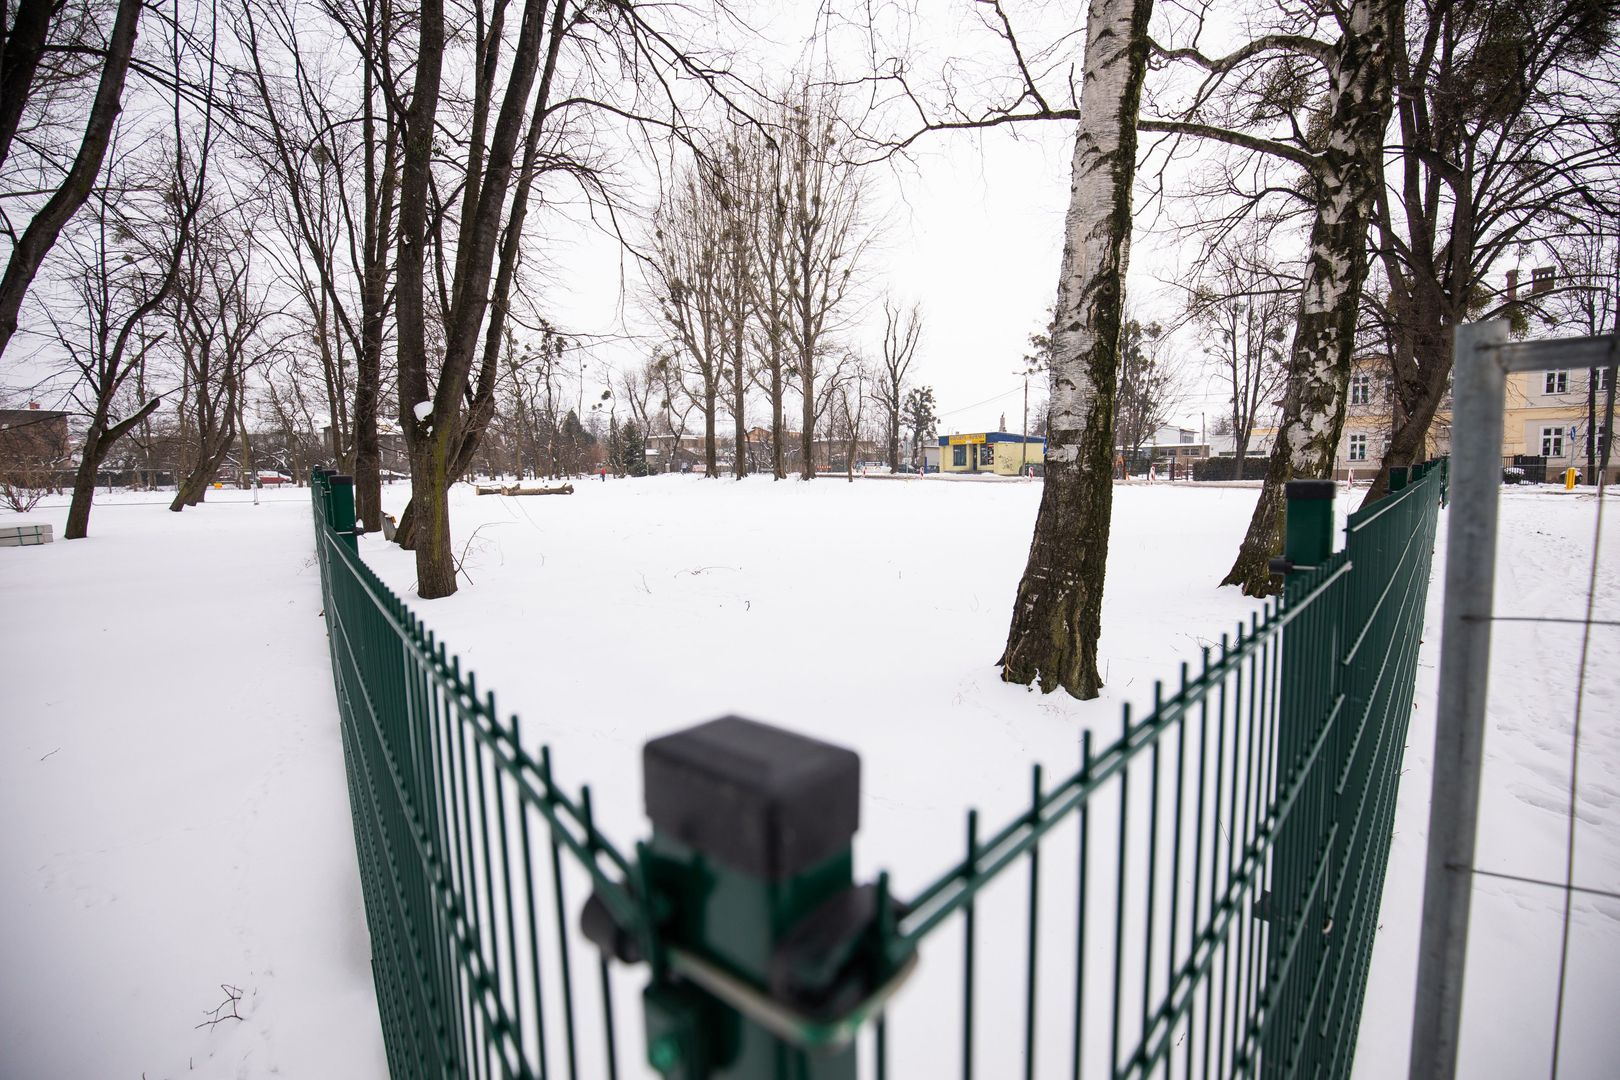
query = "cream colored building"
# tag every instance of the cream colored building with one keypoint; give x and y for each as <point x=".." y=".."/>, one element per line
<point x="1545" y="416"/>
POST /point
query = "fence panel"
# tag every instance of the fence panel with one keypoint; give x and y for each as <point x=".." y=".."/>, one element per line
<point x="471" y="858"/>
<point x="1199" y="898"/>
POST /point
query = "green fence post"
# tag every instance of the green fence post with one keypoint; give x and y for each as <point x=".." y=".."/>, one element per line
<point x="341" y="507"/>
<point x="1397" y="478"/>
<point x="750" y="851"/>
<point x="1304" y="669"/>
<point x="1308" y="531"/>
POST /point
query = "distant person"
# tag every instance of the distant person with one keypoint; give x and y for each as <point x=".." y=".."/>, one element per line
<point x="1153" y="474"/>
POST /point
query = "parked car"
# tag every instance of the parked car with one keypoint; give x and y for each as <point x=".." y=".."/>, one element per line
<point x="273" y="479"/>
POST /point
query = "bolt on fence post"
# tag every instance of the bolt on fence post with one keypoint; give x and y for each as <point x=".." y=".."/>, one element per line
<point x="752" y="833"/>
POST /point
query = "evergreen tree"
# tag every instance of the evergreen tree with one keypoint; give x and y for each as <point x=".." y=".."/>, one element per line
<point x="918" y="414"/>
<point x="573" y="439"/>
<point x="634" y="449"/>
<point x="615" y="447"/>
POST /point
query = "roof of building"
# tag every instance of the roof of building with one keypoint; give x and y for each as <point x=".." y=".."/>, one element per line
<point x="993" y="437"/>
<point x="22" y="417"/>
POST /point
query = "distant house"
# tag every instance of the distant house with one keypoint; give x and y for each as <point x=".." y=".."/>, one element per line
<point x="1000" y="452"/>
<point x="33" y="437"/>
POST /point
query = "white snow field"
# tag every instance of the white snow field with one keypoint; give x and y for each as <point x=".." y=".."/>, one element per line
<point x="175" y="814"/>
<point x="192" y="829"/>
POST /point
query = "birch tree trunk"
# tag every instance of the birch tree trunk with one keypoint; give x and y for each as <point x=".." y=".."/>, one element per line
<point x="1345" y="184"/>
<point x="1057" y="617"/>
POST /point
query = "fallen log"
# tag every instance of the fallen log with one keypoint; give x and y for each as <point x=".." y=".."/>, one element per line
<point x="519" y="489"/>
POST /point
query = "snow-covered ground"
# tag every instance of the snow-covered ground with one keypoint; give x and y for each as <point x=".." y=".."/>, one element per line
<point x="174" y="808"/>
<point x="192" y="828"/>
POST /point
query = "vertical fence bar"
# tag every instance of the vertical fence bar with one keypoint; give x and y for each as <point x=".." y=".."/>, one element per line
<point x="1034" y="925"/>
<point x="968" y="935"/>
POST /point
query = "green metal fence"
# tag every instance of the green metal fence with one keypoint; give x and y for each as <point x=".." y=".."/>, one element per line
<point x="467" y="848"/>
<point x="1198" y="899"/>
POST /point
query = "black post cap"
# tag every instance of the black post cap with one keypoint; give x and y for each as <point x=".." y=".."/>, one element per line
<point x="1311" y="489"/>
<point x="755" y="798"/>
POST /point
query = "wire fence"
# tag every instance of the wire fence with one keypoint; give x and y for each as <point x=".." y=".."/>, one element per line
<point x="1486" y="358"/>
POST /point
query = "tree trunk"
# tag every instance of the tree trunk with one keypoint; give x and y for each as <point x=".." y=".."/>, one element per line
<point x="1346" y="184"/>
<point x="807" y="437"/>
<point x="430" y="507"/>
<point x="778" y="458"/>
<point x="739" y="459"/>
<point x="710" y="467"/>
<point x="29" y="250"/>
<point x="1057" y="616"/>
<point x="367" y="446"/>
<point x="1409" y="435"/>
<point x="84" y="491"/>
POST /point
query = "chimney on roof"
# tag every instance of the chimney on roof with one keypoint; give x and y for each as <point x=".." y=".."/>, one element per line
<point x="1512" y="284"/>
<point x="33" y="405"/>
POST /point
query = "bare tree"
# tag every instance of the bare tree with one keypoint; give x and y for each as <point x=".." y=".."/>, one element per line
<point x="771" y="300"/>
<point x="1500" y="148"/>
<point x="1240" y="305"/>
<point x="1057" y="616"/>
<point x="34" y="30"/>
<point x="1312" y="93"/>
<point x="1148" y="387"/>
<point x="820" y="192"/>
<point x="126" y="264"/>
<point x="330" y="149"/>
<point x="619" y="62"/>
<point x="703" y="281"/>
<point x="218" y="323"/>
<point x="1589" y="261"/>
<point x="901" y="332"/>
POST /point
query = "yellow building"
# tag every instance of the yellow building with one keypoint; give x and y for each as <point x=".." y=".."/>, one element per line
<point x="995" y="452"/>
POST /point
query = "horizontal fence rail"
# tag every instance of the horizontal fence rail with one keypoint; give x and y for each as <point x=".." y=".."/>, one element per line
<point x="1198" y="899"/>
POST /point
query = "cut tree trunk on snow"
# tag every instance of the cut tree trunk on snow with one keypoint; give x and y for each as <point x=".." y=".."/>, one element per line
<point x="519" y="489"/>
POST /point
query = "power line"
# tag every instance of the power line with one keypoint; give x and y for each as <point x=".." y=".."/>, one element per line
<point x="986" y="401"/>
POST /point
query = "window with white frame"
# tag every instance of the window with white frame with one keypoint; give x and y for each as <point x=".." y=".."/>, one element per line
<point x="1552" y="442"/>
<point x="1358" y="448"/>
<point x="1595" y="445"/>
<point x="1361" y="389"/>
<point x="1602" y="381"/>
<point x="1556" y="382"/>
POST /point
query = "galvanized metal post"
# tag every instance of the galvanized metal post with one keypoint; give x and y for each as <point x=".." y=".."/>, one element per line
<point x="752" y="833"/>
<point x="1465" y="646"/>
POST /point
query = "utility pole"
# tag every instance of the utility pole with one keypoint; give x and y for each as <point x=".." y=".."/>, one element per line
<point x="1032" y="366"/>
